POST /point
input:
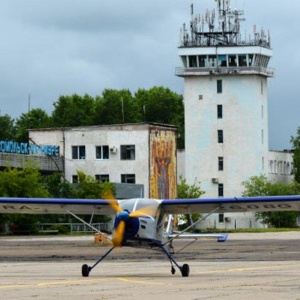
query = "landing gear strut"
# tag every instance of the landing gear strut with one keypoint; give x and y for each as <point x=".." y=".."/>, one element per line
<point x="85" y="270"/>
<point x="185" y="269"/>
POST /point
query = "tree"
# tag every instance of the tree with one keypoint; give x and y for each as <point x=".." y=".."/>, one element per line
<point x="58" y="187"/>
<point x="90" y="188"/>
<point x="116" y="107"/>
<point x="25" y="182"/>
<point x="73" y="110"/>
<point x="36" y="118"/>
<point x="7" y="127"/>
<point x="186" y="191"/>
<point x="161" y="105"/>
<point x="296" y="157"/>
<point x="260" y="186"/>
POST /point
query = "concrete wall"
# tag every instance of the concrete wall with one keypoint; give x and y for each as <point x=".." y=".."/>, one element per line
<point x="244" y="125"/>
<point x="154" y="164"/>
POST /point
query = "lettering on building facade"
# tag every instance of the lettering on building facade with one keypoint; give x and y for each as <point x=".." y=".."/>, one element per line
<point x="26" y="148"/>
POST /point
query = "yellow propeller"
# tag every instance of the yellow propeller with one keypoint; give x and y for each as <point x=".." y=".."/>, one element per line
<point x="124" y="216"/>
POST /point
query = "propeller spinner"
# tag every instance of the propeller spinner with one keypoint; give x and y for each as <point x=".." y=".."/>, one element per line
<point x="127" y="223"/>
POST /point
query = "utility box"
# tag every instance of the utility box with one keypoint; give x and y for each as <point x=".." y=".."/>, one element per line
<point x="100" y="239"/>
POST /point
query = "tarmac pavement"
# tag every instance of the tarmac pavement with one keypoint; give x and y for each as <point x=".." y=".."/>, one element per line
<point x="247" y="266"/>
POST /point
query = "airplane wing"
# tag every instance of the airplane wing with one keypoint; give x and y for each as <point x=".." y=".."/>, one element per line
<point x="55" y="206"/>
<point x="174" y="206"/>
<point x="235" y="204"/>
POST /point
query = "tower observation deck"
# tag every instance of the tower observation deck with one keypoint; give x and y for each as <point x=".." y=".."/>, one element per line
<point x="213" y="44"/>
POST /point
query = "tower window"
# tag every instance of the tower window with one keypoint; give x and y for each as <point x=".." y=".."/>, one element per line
<point x="221" y="190"/>
<point x="232" y="60"/>
<point x="220" y="163"/>
<point x="221" y="218"/>
<point x="220" y="111"/>
<point x="202" y="61"/>
<point x="222" y="61"/>
<point x="220" y="137"/>
<point x="219" y="86"/>
<point x="192" y="61"/>
<point x="242" y="60"/>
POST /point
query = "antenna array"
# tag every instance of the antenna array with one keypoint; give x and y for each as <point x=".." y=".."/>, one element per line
<point x="220" y="29"/>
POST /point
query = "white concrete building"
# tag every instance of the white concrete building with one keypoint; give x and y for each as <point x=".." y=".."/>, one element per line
<point x="143" y="154"/>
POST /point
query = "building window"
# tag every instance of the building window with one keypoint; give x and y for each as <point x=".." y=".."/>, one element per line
<point x="128" y="152"/>
<point x="127" y="178"/>
<point x="262" y="87"/>
<point x="222" y="60"/>
<point x="242" y="60"/>
<point x="102" y="152"/>
<point x="221" y="163"/>
<point x="221" y="190"/>
<point x="78" y="152"/>
<point x="220" y="137"/>
<point x="102" y="177"/>
<point x="219" y="86"/>
<point x="192" y="61"/>
<point x="220" y="111"/>
<point x="74" y="178"/>
<point x="221" y="218"/>
<point x="232" y="61"/>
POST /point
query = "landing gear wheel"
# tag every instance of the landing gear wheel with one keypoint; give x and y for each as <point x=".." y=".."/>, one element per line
<point x="185" y="270"/>
<point x="85" y="270"/>
<point x="173" y="270"/>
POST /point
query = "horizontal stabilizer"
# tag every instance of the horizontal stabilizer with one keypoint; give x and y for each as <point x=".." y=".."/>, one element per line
<point x="221" y="237"/>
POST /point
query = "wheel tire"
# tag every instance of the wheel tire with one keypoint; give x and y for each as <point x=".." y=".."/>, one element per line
<point x="185" y="270"/>
<point x="85" y="271"/>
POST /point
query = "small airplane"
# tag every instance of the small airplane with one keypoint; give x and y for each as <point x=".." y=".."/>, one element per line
<point x="147" y="223"/>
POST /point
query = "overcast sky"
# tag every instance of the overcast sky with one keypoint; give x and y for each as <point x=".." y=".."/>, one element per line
<point x="61" y="47"/>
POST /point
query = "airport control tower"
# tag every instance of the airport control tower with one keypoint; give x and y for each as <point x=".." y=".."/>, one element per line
<point x="225" y="76"/>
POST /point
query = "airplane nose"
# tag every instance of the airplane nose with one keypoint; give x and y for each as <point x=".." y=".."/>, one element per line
<point x="124" y="216"/>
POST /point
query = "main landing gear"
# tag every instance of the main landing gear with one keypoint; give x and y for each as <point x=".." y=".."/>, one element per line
<point x="184" y="269"/>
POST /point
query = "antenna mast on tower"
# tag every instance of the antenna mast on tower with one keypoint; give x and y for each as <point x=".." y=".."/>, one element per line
<point x="222" y="30"/>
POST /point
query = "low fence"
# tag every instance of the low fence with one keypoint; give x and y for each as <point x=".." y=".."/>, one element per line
<point x="72" y="227"/>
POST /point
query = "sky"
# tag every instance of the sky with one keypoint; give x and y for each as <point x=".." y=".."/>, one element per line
<point x="61" y="47"/>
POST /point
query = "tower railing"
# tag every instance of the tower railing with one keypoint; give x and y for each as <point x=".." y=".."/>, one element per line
<point x="269" y="72"/>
